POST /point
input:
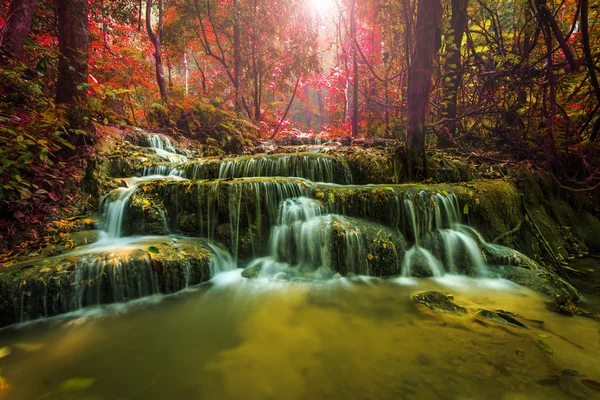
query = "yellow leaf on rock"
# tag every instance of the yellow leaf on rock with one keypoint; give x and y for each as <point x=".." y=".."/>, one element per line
<point x="77" y="384"/>
<point x="4" y="351"/>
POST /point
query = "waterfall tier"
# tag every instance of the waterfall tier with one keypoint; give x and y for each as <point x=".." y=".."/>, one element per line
<point x="107" y="272"/>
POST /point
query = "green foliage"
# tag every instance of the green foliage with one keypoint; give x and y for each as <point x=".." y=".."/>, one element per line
<point x="32" y="131"/>
<point x="211" y="125"/>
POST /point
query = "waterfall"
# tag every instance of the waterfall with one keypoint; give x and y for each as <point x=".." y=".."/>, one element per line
<point x="313" y="167"/>
<point x="160" y="170"/>
<point x="309" y="239"/>
<point x="164" y="148"/>
<point x="115" y="210"/>
<point x="115" y="203"/>
<point x="310" y="236"/>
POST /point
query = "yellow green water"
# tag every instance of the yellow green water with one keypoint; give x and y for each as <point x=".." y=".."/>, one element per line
<point x="239" y="339"/>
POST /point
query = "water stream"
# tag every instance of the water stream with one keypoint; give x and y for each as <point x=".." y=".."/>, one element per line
<point x="257" y="339"/>
<point x="317" y="321"/>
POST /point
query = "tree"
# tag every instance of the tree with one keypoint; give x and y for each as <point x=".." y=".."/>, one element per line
<point x="73" y="48"/>
<point x="156" y="39"/>
<point x="453" y="76"/>
<point x="355" y="80"/>
<point x="17" y="26"/>
<point x="427" y="44"/>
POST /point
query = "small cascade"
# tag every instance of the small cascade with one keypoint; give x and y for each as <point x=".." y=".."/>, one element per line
<point x="237" y="213"/>
<point x="307" y="240"/>
<point x="313" y="167"/>
<point x="114" y="208"/>
<point x="164" y="148"/>
<point x="439" y="245"/>
<point x="115" y="204"/>
<point x="160" y="170"/>
<point x="429" y="240"/>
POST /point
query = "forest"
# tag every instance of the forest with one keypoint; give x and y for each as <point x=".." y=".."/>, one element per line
<point x="298" y="199"/>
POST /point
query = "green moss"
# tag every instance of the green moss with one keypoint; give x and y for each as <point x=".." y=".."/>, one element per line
<point x="46" y="287"/>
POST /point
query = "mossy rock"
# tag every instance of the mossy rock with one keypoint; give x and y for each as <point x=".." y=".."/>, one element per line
<point x="439" y="303"/>
<point x="214" y="209"/>
<point x="48" y="287"/>
<point x="317" y="167"/>
<point x="540" y="280"/>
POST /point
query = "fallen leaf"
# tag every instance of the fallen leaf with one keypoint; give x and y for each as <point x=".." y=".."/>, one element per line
<point x="153" y="250"/>
<point x="544" y="346"/>
<point x="77" y="384"/>
<point x="4" y="351"/>
<point x="29" y="347"/>
<point x="53" y="196"/>
<point x="370" y="256"/>
<point x="543" y="335"/>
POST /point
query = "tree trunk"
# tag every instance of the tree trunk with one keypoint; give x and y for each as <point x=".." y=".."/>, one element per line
<point x="355" y="71"/>
<point x="156" y="39"/>
<point x="322" y="120"/>
<point x="237" y="58"/>
<point x="453" y="67"/>
<point x="17" y="25"/>
<point x="73" y="43"/>
<point x="427" y="43"/>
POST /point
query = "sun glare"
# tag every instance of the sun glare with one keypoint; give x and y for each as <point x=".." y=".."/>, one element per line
<point x="325" y="8"/>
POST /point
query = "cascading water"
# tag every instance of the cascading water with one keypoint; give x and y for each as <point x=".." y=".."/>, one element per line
<point x="313" y="167"/>
<point x="310" y="237"/>
<point x="115" y="204"/>
<point x="287" y="226"/>
<point x="164" y="148"/>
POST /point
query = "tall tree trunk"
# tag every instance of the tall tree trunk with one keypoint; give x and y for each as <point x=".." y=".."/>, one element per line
<point x="322" y="116"/>
<point x="156" y="39"/>
<point x="73" y="47"/>
<point x="186" y="70"/>
<point x="355" y="71"/>
<point x="589" y="60"/>
<point x="427" y="44"/>
<point x="17" y="25"/>
<point x="307" y="113"/>
<point x="453" y="67"/>
<point x="237" y="58"/>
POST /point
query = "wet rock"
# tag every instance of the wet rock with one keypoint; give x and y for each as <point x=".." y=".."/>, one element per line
<point x="316" y="167"/>
<point x="251" y="272"/>
<point x="499" y="317"/>
<point x="439" y="303"/>
<point x="48" y="287"/>
<point x="540" y="280"/>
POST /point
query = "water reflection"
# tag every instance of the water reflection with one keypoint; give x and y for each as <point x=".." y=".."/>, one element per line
<point x="269" y="339"/>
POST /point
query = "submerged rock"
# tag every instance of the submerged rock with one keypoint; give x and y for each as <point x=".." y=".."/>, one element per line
<point x="441" y="303"/>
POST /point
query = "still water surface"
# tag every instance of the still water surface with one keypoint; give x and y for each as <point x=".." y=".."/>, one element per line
<point x="341" y="339"/>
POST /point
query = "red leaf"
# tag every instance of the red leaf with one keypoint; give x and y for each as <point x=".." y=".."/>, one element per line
<point x="53" y="196"/>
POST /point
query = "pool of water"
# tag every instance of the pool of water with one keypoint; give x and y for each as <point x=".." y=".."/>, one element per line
<point x="265" y="339"/>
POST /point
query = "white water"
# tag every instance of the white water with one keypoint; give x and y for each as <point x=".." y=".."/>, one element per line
<point x="316" y="168"/>
<point x="118" y="200"/>
<point x="164" y="148"/>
